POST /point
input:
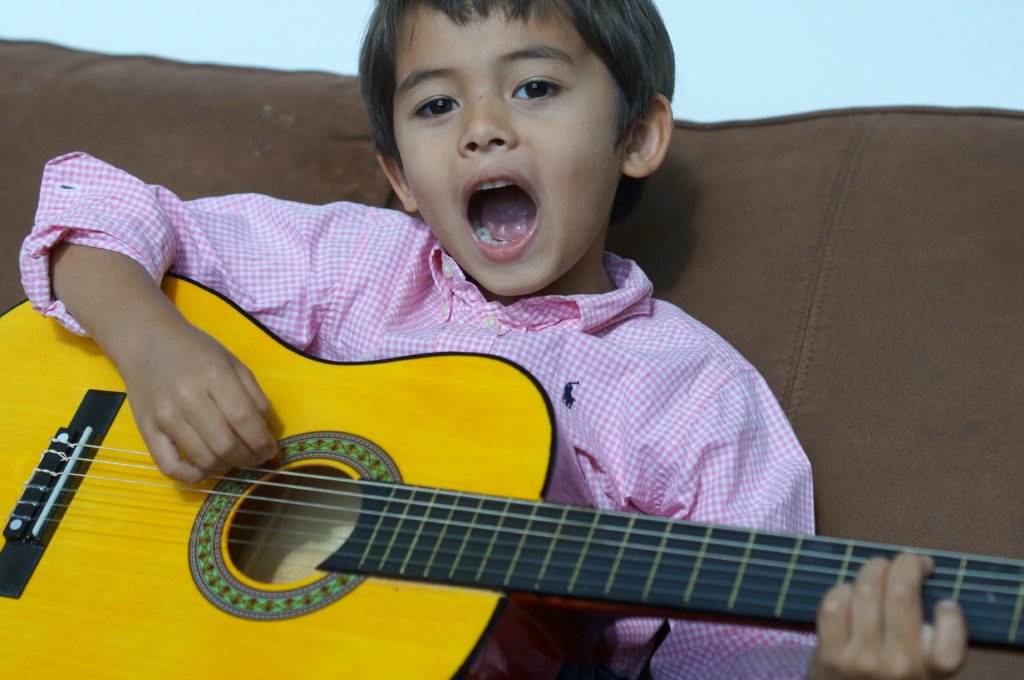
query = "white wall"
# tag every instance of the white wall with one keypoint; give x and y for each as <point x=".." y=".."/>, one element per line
<point x="736" y="58"/>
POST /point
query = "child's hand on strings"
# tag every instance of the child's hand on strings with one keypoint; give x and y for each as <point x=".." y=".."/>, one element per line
<point x="197" y="407"/>
<point x="874" y="628"/>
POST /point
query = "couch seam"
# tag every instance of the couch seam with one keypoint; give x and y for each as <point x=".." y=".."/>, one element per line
<point x="817" y="278"/>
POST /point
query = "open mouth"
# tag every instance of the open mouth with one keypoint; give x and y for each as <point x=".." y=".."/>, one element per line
<point x="501" y="214"/>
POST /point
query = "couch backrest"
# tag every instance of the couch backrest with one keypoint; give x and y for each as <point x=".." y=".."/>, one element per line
<point x="871" y="264"/>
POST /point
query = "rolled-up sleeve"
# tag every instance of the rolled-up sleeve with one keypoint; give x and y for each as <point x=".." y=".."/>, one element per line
<point x="87" y="202"/>
<point x="281" y="261"/>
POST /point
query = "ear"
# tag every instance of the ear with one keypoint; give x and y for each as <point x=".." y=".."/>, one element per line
<point x="647" y="143"/>
<point x="396" y="176"/>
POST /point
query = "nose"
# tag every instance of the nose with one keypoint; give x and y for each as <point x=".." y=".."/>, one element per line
<point x="487" y="127"/>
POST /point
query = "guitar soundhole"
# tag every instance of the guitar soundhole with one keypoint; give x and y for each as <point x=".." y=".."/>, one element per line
<point x="257" y="539"/>
<point x="290" y="522"/>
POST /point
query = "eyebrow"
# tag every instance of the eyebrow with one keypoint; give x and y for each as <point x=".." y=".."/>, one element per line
<point x="544" y="52"/>
<point x="534" y="52"/>
<point x="421" y="75"/>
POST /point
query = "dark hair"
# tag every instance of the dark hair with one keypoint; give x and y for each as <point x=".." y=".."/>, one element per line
<point x="627" y="35"/>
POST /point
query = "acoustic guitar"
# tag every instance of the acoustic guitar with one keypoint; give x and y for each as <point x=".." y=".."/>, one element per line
<point x="386" y="540"/>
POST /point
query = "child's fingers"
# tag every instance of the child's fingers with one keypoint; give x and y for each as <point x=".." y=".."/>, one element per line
<point x="193" y="447"/>
<point x="247" y="409"/>
<point x="205" y="437"/>
<point x="947" y="652"/>
<point x="251" y="442"/>
<point x="903" y="615"/>
<point x="165" y="455"/>
<point x="867" y="607"/>
<point x="834" y="623"/>
<point x="875" y="627"/>
<point x="252" y="387"/>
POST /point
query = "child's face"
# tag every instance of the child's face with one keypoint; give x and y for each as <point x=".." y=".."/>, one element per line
<point x="494" y="103"/>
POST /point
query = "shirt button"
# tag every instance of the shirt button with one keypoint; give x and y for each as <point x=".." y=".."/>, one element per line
<point x="491" y="323"/>
<point x="445" y="308"/>
<point x="446" y="269"/>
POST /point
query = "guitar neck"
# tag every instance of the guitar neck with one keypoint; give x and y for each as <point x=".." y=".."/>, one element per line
<point x="646" y="562"/>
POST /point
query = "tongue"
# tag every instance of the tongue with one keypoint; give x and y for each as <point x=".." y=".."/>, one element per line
<point x="507" y="213"/>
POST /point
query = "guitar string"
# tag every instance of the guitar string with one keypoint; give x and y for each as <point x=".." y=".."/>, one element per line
<point x="945" y="554"/>
<point x="759" y="602"/>
<point x="938" y="571"/>
<point x="830" y="575"/>
<point x="656" y="534"/>
<point x="409" y="545"/>
<point x="1008" y="562"/>
<point x="853" y="560"/>
<point x="102" y="520"/>
<point x="794" y="593"/>
<point x="797" y="600"/>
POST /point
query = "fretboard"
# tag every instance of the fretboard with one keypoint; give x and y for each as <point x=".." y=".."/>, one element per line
<point x="637" y="560"/>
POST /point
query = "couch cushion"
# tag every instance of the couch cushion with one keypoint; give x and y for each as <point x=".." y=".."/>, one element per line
<point x="871" y="264"/>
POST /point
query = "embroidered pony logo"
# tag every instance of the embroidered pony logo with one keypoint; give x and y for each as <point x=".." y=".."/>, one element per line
<point x="567" y="397"/>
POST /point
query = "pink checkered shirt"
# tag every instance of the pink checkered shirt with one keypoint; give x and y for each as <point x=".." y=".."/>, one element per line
<point x="664" y="416"/>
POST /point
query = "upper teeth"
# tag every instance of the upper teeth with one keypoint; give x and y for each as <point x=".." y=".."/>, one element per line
<point x="498" y="184"/>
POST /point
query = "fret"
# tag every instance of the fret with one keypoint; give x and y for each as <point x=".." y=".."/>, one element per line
<point x="584" y="549"/>
<point x="372" y="506"/>
<point x="820" y="564"/>
<point x="519" y="544"/>
<point x="697" y="565"/>
<point x="551" y="546"/>
<point x="426" y="523"/>
<point x="494" y="538"/>
<point x="946" y="581"/>
<point x="449" y="546"/>
<point x="397" y="530"/>
<point x="459" y="561"/>
<point x="862" y="552"/>
<point x="960" y="569"/>
<point x="740" y="571"/>
<point x="780" y="603"/>
<point x="990" y="598"/>
<point x="452" y="501"/>
<point x="657" y="559"/>
<point x="472" y="538"/>
<point x="762" y="586"/>
<point x="841" y="576"/>
<point x="594" y="567"/>
<point x="566" y="549"/>
<point x="670" y="553"/>
<point x="532" y="547"/>
<point x="618" y="555"/>
<point x="1015" y="621"/>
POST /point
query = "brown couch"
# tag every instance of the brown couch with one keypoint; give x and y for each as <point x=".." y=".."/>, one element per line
<point x="870" y="262"/>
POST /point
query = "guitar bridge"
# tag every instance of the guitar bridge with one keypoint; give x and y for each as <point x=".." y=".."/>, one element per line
<point x="36" y="515"/>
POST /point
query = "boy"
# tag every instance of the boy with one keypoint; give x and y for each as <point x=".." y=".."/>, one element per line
<point x="517" y="147"/>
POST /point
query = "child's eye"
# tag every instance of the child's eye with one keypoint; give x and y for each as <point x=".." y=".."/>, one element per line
<point x="437" y="106"/>
<point x="536" y="89"/>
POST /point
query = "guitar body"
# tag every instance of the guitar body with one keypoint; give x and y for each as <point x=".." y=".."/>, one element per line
<point x="131" y="585"/>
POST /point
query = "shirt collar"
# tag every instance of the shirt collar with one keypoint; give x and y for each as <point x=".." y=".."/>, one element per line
<point x="463" y="300"/>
